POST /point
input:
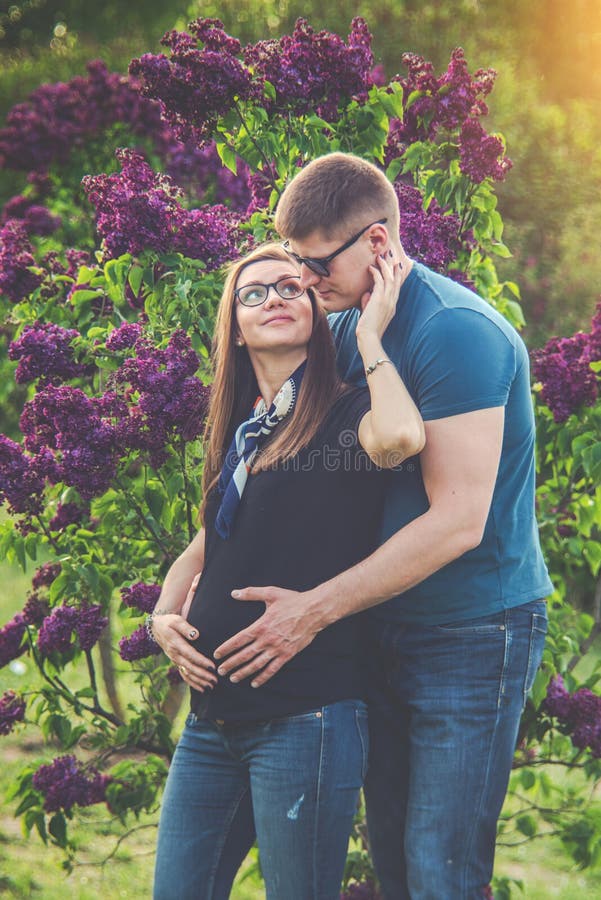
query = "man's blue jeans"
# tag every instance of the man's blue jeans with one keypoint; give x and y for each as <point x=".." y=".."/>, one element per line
<point x="295" y="780"/>
<point x="444" y="712"/>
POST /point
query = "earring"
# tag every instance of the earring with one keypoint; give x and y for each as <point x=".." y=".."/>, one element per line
<point x="239" y="343"/>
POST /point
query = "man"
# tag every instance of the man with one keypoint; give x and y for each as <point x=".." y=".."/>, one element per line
<point x="457" y="619"/>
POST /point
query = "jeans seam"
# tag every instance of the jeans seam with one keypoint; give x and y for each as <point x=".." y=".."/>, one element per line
<point x="533" y="627"/>
<point x="364" y="754"/>
<point x="485" y="782"/>
<point x="222" y="843"/>
<point x="317" y="803"/>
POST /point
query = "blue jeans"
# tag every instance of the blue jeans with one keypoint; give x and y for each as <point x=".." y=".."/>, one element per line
<point x="293" y="781"/>
<point x="445" y="706"/>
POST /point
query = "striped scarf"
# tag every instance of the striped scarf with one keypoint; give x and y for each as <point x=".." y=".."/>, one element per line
<point x="246" y="443"/>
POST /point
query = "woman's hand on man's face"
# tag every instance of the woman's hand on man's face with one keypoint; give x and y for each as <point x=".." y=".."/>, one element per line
<point x="379" y="305"/>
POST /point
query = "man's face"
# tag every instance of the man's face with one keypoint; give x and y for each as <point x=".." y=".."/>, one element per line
<point x="349" y="276"/>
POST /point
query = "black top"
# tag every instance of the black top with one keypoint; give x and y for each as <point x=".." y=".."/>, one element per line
<point x="296" y="526"/>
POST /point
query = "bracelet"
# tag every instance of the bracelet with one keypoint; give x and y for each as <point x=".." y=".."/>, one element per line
<point x="377" y="363"/>
<point x="148" y="623"/>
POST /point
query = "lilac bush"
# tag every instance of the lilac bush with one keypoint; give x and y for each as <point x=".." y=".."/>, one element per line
<point x="138" y="209"/>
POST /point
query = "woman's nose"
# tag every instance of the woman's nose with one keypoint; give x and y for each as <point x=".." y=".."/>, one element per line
<point x="273" y="298"/>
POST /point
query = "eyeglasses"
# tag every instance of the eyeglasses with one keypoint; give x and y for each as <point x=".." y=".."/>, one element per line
<point x="288" y="288"/>
<point x="319" y="264"/>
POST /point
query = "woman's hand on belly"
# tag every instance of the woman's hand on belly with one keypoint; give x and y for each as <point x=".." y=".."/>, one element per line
<point x="173" y="634"/>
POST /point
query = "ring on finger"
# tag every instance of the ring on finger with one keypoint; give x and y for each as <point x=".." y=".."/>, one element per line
<point x="183" y="670"/>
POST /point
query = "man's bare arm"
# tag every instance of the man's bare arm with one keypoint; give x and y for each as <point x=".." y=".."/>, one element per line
<point x="459" y="467"/>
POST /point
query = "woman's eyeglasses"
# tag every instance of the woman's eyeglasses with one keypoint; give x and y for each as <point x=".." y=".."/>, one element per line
<point x="319" y="264"/>
<point x="288" y="288"/>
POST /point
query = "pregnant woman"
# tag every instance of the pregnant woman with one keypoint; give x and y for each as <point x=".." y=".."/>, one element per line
<point x="291" y="497"/>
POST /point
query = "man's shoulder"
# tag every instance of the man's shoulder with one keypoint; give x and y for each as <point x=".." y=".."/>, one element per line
<point x="452" y="305"/>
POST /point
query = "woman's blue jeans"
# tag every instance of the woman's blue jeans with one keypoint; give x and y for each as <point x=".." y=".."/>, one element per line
<point x="444" y="713"/>
<point x="292" y="782"/>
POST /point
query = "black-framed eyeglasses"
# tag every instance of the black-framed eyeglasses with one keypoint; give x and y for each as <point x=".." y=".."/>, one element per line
<point x="288" y="288"/>
<point x="319" y="264"/>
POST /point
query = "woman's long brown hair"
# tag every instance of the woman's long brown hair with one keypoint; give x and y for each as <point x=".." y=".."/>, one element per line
<point x="235" y="387"/>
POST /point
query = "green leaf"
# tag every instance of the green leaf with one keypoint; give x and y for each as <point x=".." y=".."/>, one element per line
<point x="526" y="825"/>
<point x="135" y="279"/>
<point x="394" y="168"/>
<point x="592" y="553"/>
<point x="591" y="460"/>
<point x="527" y="778"/>
<point x="227" y="157"/>
<point x="57" y="827"/>
<point x="269" y="90"/>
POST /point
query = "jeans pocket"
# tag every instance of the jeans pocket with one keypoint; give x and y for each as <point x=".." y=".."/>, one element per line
<point x="480" y="626"/>
<point x="538" y="634"/>
<point x="361" y="722"/>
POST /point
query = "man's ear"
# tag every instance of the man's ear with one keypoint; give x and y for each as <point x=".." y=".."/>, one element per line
<point x="378" y="239"/>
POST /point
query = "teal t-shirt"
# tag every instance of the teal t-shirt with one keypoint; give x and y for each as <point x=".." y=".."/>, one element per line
<point x="456" y="354"/>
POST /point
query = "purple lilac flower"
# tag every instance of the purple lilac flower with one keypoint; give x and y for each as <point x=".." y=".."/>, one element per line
<point x="579" y="714"/>
<point x="563" y="367"/>
<point x="481" y="155"/>
<point x="11" y="640"/>
<point x="67" y="514"/>
<point x="12" y="710"/>
<point x="430" y="235"/>
<point x="65" y="419"/>
<point x="137" y="646"/>
<point x="90" y="623"/>
<point x="141" y="596"/>
<point x="56" y="631"/>
<point x="314" y="71"/>
<point x="124" y="337"/>
<point x="195" y="86"/>
<point x="444" y="102"/>
<point x="35" y="610"/>
<point x="16" y="259"/>
<point x="452" y="101"/>
<point x="23" y="478"/>
<point x="378" y="75"/>
<point x="136" y="209"/>
<point x="45" y="574"/>
<point x="66" y="783"/>
<point x="44" y="349"/>
<point x="56" y="118"/>
<point x="171" y="400"/>
<point x="210" y="234"/>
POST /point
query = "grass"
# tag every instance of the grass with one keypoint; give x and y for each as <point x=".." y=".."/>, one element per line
<point x="106" y="867"/>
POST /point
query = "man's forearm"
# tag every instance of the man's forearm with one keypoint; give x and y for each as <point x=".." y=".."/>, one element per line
<point x="408" y="557"/>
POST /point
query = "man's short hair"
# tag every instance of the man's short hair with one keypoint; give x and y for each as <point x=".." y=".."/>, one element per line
<point x="335" y="195"/>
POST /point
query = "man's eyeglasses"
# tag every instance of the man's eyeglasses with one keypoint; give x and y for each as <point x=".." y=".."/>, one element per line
<point x="319" y="264"/>
<point x="288" y="288"/>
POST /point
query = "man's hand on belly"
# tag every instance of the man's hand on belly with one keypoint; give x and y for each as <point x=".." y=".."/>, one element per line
<point x="287" y="626"/>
